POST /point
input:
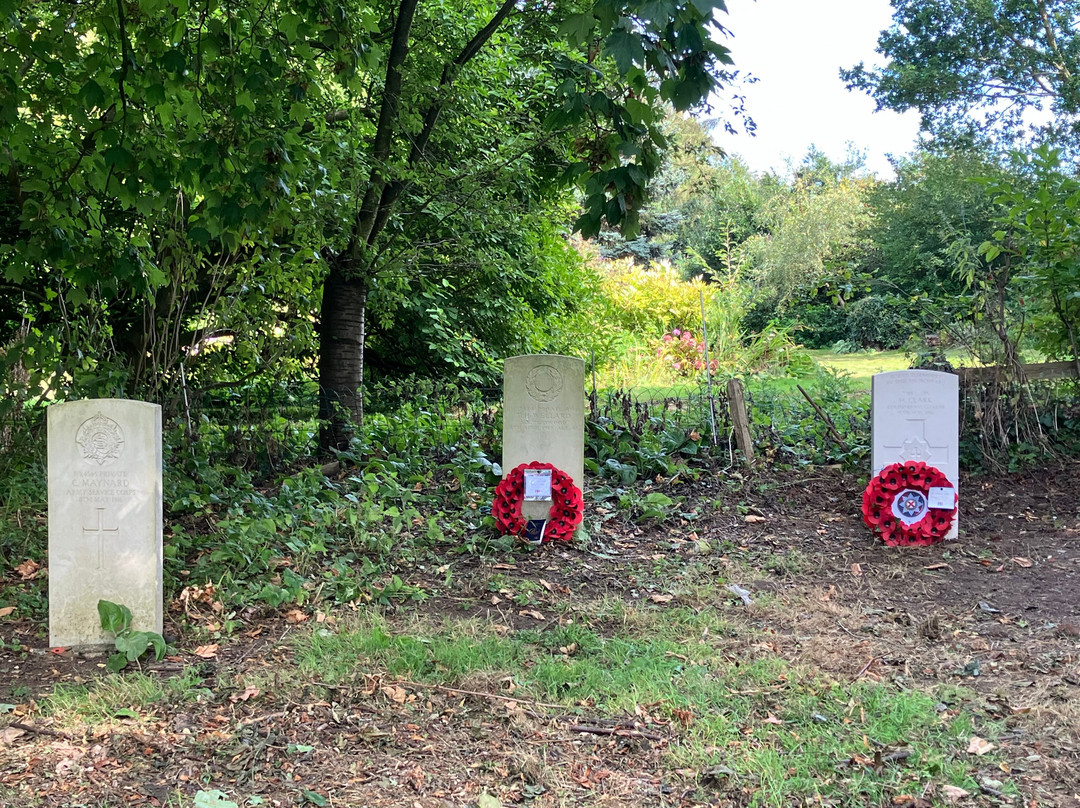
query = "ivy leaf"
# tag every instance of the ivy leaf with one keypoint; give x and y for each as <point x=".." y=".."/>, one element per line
<point x="174" y="61"/>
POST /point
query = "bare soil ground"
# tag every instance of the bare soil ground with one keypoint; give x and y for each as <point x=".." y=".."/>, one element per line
<point x="997" y="612"/>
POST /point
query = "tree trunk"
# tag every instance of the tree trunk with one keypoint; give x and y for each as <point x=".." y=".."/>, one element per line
<point x="341" y="348"/>
<point x="341" y="358"/>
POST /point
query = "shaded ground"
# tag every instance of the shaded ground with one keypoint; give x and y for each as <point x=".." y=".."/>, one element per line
<point x="997" y="612"/>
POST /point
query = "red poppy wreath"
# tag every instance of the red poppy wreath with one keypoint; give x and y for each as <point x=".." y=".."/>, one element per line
<point x="896" y="504"/>
<point x="566" y="503"/>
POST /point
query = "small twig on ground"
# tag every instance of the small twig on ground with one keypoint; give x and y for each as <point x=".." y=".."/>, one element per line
<point x="790" y="483"/>
<point x="846" y="629"/>
<point x="262" y="718"/>
<point x="993" y="792"/>
<point x="40" y="730"/>
<point x="482" y="694"/>
<point x="865" y="668"/>
<point x="622" y="731"/>
<point x="896" y="756"/>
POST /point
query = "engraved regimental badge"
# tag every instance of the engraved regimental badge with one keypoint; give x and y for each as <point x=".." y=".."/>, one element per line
<point x="543" y="383"/>
<point x="100" y="439"/>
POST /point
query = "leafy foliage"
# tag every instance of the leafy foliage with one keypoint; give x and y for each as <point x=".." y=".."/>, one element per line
<point x="814" y="231"/>
<point x="979" y="64"/>
<point x="1040" y="234"/>
<point x="130" y="645"/>
<point x="652" y="300"/>
<point x="878" y="322"/>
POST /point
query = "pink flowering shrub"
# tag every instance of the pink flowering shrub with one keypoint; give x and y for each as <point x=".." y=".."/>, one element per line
<point x="683" y="353"/>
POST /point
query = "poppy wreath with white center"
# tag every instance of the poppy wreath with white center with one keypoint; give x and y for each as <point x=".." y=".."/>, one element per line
<point x="891" y="482"/>
<point x="567" y="504"/>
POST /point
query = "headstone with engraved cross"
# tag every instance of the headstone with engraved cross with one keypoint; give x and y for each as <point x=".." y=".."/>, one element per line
<point x="915" y="415"/>
<point x="104" y="517"/>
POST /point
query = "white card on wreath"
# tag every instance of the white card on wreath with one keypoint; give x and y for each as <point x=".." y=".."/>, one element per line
<point x="942" y="497"/>
<point x="537" y="485"/>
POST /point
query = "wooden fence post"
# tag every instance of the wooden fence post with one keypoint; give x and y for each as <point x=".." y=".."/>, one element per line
<point x="739" y="419"/>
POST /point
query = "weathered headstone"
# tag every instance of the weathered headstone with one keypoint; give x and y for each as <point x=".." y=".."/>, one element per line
<point x="915" y="415"/>
<point x="544" y="418"/>
<point x="104" y="517"/>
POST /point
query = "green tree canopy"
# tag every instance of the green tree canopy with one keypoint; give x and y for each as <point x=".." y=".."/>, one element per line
<point x="982" y="65"/>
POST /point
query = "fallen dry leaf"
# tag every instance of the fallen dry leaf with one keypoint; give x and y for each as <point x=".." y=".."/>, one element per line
<point x="532" y="613"/>
<point x="979" y="746"/>
<point x="751" y="518"/>
<point x="661" y="598"/>
<point x="295" y="616"/>
<point x="249" y="692"/>
<point x="1021" y="561"/>
<point x="28" y="570"/>
<point x="395" y="693"/>
<point x="856" y="570"/>
<point x="771" y="719"/>
<point x="939" y="566"/>
<point x="953" y="794"/>
<point x="206" y="651"/>
<point x="9" y="734"/>
<point x="6" y="611"/>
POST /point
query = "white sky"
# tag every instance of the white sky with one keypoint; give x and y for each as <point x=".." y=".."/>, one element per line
<point x="796" y="48"/>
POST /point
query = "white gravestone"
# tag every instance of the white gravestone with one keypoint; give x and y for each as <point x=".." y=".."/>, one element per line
<point x="544" y="418"/>
<point x="915" y="415"/>
<point x="104" y="517"/>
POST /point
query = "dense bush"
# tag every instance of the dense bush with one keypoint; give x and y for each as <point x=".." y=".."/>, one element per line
<point x="820" y="325"/>
<point x="879" y="322"/>
<point x="650" y="301"/>
<point x="758" y="315"/>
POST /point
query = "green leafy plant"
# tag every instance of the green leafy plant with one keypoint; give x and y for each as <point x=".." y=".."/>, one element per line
<point x="213" y="799"/>
<point x="130" y="645"/>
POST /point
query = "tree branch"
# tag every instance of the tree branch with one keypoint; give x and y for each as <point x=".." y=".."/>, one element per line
<point x="364" y="225"/>
<point x="392" y="191"/>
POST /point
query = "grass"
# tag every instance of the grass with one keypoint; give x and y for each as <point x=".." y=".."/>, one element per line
<point x="779" y="729"/>
<point x="860" y="367"/>
<point x="131" y="696"/>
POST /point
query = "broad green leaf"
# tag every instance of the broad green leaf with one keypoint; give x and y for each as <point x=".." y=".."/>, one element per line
<point x="578" y="28"/>
<point x="116" y="662"/>
<point x="625" y="48"/>
<point x="119" y="158"/>
<point x="114" y="618"/>
<point x="213" y="799"/>
<point x="92" y="95"/>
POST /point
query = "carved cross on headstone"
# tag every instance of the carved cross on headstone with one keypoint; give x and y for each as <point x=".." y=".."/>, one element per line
<point x="101" y="530"/>
<point x="916" y="447"/>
